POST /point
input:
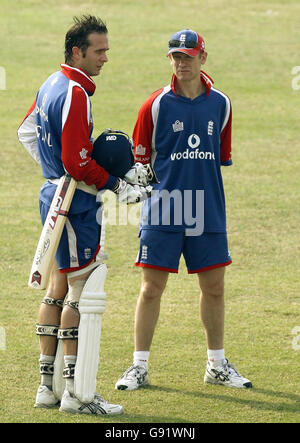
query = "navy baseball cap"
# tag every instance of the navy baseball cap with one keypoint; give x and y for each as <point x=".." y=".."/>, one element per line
<point x="113" y="150"/>
<point x="187" y="41"/>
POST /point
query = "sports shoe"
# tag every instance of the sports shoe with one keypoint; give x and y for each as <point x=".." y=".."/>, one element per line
<point x="45" y="398"/>
<point x="226" y="375"/>
<point x="98" y="406"/>
<point x="135" y="377"/>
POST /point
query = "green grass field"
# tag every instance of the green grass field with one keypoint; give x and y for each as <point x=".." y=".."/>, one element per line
<point x="252" y="47"/>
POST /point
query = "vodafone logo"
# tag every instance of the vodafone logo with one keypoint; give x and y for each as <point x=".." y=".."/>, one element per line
<point x="195" y="153"/>
<point x="194" y="141"/>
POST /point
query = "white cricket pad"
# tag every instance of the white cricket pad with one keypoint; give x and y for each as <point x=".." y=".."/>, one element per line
<point x="91" y="307"/>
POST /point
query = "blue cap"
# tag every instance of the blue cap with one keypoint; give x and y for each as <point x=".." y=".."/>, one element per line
<point x="187" y="41"/>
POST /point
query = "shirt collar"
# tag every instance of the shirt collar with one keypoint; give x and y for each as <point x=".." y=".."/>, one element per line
<point x="205" y="78"/>
<point x="79" y="76"/>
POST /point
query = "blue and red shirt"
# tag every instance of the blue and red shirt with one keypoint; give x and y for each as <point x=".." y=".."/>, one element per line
<point x="57" y="131"/>
<point x="186" y="142"/>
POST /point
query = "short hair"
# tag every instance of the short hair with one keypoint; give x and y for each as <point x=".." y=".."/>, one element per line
<point x="78" y="34"/>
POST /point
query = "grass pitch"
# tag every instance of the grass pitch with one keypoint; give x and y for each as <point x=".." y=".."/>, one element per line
<point x="253" y="47"/>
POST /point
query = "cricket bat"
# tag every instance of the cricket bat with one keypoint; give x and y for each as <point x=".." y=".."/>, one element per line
<point x="51" y="233"/>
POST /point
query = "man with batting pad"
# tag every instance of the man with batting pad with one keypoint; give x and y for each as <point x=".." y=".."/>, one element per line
<point x="57" y="132"/>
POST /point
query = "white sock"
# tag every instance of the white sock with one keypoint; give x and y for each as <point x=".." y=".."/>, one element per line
<point x="216" y="356"/>
<point x="141" y="358"/>
<point x="70" y="360"/>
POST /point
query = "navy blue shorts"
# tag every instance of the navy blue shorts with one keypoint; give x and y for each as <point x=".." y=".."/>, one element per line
<point x="80" y="240"/>
<point x="162" y="250"/>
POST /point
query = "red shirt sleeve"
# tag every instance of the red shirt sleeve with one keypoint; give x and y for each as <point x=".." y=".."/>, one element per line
<point x="77" y="147"/>
<point x="226" y="141"/>
<point x="143" y="130"/>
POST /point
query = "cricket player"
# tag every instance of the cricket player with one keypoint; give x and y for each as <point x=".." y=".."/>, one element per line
<point x="184" y="130"/>
<point x="57" y="131"/>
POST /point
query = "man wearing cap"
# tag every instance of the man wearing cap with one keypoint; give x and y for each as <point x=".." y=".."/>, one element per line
<point x="184" y="131"/>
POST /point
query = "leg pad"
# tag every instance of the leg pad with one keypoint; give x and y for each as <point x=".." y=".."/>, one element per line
<point x="91" y="307"/>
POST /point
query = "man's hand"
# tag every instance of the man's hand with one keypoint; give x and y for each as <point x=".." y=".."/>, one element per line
<point x="140" y="174"/>
<point x="129" y="194"/>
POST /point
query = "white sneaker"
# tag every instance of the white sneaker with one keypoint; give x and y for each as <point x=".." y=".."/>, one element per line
<point x="45" y="398"/>
<point x="135" y="377"/>
<point x="226" y="375"/>
<point x="98" y="406"/>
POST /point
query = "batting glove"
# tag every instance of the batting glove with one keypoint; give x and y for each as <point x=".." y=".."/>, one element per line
<point x="129" y="194"/>
<point x="141" y="174"/>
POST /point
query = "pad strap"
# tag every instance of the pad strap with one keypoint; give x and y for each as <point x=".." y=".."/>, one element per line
<point x="46" y="368"/>
<point x="69" y="371"/>
<point x="53" y="301"/>
<point x="72" y="304"/>
<point x="67" y="334"/>
<point x="50" y="330"/>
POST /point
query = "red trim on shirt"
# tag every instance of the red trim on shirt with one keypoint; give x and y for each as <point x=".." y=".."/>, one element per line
<point x="143" y="129"/>
<point x="205" y="79"/>
<point x="79" y="76"/>
<point x="225" y="141"/>
<point x="28" y="112"/>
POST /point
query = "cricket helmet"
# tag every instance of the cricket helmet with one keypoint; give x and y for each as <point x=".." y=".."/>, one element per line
<point x="113" y="150"/>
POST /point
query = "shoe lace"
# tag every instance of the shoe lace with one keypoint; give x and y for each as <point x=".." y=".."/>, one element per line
<point x="133" y="372"/>
<point x="99" y="398"/>
<point x="232" y="370"/>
